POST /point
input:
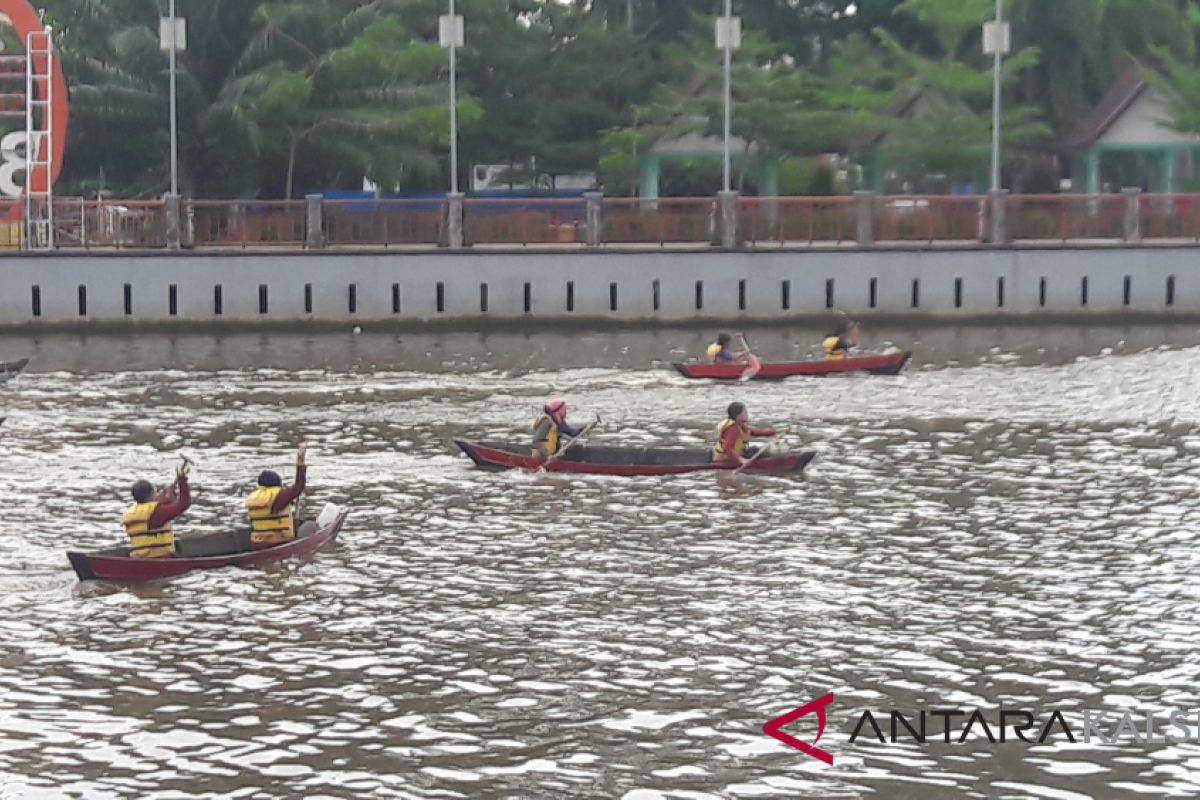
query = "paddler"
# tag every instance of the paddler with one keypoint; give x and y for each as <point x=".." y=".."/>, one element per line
<point x="551" y="429"/>
<point x="270" y="506"/>
<point x="733" y="435"/>
<point x="838" y="342"/>
<point x="718" y="352"/>
<point x="148" y="520"/>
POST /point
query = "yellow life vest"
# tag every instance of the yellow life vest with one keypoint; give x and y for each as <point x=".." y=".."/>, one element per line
<point x="739" y="447"/>
<point x="714" y="350"/>
<point x="550" y="443"/>
<point x="832" y="350"/>
<point x="145" y="542"/>
<point x="266" y="527"/>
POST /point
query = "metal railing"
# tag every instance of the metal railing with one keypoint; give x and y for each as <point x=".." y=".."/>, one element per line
<point x="797" y="220"/>
<point x="861" y="220"/>
<point x="384" y="223"/>
<point x="1066" y="217"/>
<point x="523" y="221"/>
<point x="246" y="223"/>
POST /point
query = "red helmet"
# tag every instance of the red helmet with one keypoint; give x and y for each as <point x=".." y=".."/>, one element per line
<point x="556" y="408"/>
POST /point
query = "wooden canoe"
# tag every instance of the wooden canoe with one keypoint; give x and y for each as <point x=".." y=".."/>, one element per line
<point x="883" y="364"/>
<point x="623" y="460"/>
<point x="230" y="549"/>
<point x="10" y="369"/>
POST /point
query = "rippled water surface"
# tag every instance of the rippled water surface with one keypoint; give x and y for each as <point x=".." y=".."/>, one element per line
<point x="1011" y="522"/>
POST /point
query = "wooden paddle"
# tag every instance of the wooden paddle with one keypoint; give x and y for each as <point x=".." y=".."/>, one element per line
<point x="764" y="449"/>
<point x="586" y="429"/>
<point x="753" y="364"/>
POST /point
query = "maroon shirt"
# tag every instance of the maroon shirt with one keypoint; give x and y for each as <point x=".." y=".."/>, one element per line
<point x="166" y="511"/>
<point x="730" y="436"/>
<point x="290" y="493"/>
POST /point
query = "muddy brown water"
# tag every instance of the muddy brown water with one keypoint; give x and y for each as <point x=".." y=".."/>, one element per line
<point x="1011" y="523"/>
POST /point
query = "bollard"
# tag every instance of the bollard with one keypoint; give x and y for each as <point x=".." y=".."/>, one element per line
<point x="1133" y="214"/>
<point x="727" y="220"/>
<point x="314" y="222"/>
<point x="998" y="200"/>
<point x="174" y="222"/>
<point x="864" y="209"/>
<point x="595" y="208"/>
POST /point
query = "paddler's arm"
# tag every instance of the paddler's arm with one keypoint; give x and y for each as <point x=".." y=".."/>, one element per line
<point x="285" y="498"/>
<point x="170" y="509"/>
<point x="539" y="437"/>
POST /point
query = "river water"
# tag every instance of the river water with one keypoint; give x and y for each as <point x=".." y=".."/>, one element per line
<point x="1008" y="524"/>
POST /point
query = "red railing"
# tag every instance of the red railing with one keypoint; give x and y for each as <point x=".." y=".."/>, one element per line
<point x="1163" y="216"/>
<point x="762" y="221"/>
<point x="797" y="220"/>
<point x="930" y="218"/>
<point x="660" y="221"/>
<point x="120" y="224"/>
<point x="524" y="221"/>
<point x="245" y="223"/>
<point x="384" y="222"/>
<point x="1062" y="217"/>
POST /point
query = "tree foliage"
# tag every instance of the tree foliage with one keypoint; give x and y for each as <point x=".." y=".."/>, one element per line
<point x="277" y="97"/>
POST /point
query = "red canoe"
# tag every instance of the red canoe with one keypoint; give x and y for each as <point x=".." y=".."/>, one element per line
<point x="885" y="364"/>
<point x="623" y="460"/>
<point x="202" y="552"/>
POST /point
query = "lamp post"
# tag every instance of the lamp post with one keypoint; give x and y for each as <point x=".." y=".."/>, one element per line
<point x="172" y="35"/>
<point x="729" y="38"/>
<point x="450" y="34"/>
<point x="996" y="42"/>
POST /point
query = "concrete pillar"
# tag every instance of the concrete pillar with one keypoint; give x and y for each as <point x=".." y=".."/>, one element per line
<point x="1169" y="171"/>
<point x="314" y="222"/>
<point x="1133" y="216"/>
<point x="864" y="210"/>
<point x="454" y="220"/>
<point x="174" y="221"/>
<point x="1092" y="162"/>
<point x="594" y="219"/>
<point x="648" y="185"/>
<point x="998" y="201"/>
<point x="189" y="226"/>
<point x="727" y="220"/>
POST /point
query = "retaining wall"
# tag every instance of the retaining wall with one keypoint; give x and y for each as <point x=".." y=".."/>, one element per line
<point x="539" y="285"/>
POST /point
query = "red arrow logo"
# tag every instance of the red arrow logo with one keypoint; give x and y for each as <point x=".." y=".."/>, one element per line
<point x="774" y="728"/>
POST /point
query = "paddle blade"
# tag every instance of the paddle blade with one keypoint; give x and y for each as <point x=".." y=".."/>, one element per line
<point x="752" y="368"/>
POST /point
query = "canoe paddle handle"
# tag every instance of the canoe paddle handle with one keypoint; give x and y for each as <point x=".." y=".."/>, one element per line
<point x="764" y="449"/>
<point x="562" y="450"/>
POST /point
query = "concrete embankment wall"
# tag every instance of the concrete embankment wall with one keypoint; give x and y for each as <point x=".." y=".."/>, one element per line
<point x="469" y="288"/>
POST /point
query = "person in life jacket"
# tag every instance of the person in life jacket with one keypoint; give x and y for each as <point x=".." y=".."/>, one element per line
<point x="840" y="340"/>
<point x="148" y="520"/>
<point x="718" y="352"/>
<point x="551" y="430"/>
<point x="733" y="435"/>
<point x="270" y="507"/>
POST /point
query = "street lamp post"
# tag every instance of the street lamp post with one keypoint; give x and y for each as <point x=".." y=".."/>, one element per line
<point x="450" y="36"/>
<point x="452" y="46"/>
<point x="170" y="35"/>
<point x="729" y="35"/>
<point x="996" y="42"/>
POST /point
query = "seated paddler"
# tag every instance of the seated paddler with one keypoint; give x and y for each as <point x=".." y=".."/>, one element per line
<point x="734" y="434"/>
<point x="840" y="340"/>
<point x="270" y="506"/>
<point x="551" y="429"/>
<point x="719" y="351"/>
<point x="148" y="520"/>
